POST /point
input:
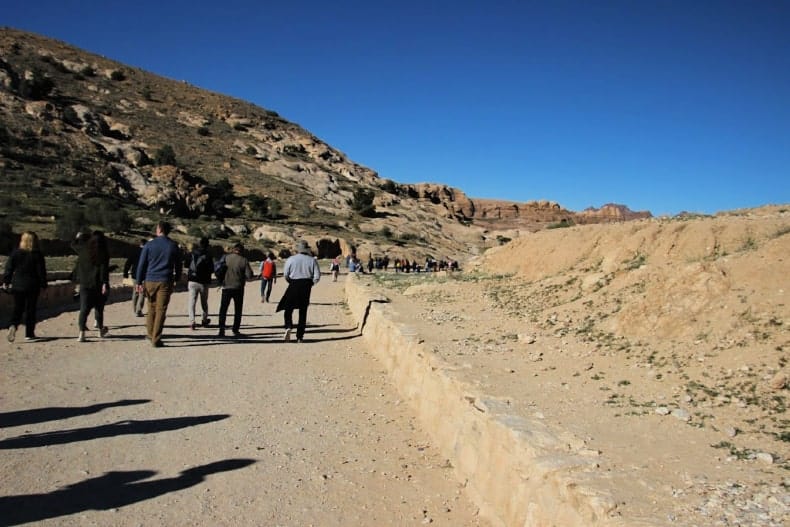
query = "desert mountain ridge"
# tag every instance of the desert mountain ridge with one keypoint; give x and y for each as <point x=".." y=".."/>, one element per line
<point x="124" y="147"/>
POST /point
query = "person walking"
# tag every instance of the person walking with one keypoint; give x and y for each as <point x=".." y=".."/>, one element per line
<point x="130" y="271"/>
<point x="301" y="272"/>
<point x="237" y="272"/>
<point x="25" y="276"/>
<point x="158" y="270"/>
<point x="199" y="281"/>
<point x="93" y="274"/>
<point x="334" y="268"/>
<point x="268" y="272"/>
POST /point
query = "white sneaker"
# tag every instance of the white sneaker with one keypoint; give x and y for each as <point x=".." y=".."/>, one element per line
<point x="81" y="337"/>
<point x="287" y="336"/>
<point x="11" y="333"/>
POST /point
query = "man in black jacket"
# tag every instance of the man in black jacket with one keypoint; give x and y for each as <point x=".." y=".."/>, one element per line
<point x="199" y="281"/>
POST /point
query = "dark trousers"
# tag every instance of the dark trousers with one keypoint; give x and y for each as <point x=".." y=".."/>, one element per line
<point x="25" y="303"/>
<point x="301" y="324"/>
<point x="266" y="287"/>
<point x="297" y="296"/>
<point x="237" y="295"/>
<point x="91" y="299"/>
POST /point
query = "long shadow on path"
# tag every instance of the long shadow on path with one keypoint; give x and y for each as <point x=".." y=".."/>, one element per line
<point x="116" y="429"/>
<point x="55" y="413"/>
<point x="110" y="491"/>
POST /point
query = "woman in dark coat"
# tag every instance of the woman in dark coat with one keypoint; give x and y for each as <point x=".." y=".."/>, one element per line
<point x="25" y="275"/>
<point x="93" y="273"/>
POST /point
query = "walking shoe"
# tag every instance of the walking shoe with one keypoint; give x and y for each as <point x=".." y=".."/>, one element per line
<point x="31" y="338"/>
<point x="206" y="322"/>
<point x="193" y="326"/>
<point x="104" y="331"/>
<point x="81" y="337"/>
<point x="158" y="344"/>
<point x="140" y="314"/>
<point x="11" y="333"/>
<point x="287" y="336"/>
<point x="221" y="334"/>
<point x="237" y="334"/>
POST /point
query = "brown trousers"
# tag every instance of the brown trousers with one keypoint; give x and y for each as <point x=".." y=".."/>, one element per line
<point x="158" y="295"/>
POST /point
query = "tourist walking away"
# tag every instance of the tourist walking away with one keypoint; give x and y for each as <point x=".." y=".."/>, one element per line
<point x="198" y="281"/>
<point x="301" y="272"/>
<point x="130" y="271"/>
<point x="334" y="268"/>
<point x="25" y="276"/>
<point x="158" y="270"/>
<point x="268" y="272"/>
<point x="93" y="274"/>
<point x="237" y="272"/>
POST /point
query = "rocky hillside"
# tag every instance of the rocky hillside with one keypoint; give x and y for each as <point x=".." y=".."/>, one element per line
<point x="123" y="147"/>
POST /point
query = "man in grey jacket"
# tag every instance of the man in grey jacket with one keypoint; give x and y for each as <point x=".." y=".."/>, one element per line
<point x="236" y="276"/>
<point x="301" y="271"/>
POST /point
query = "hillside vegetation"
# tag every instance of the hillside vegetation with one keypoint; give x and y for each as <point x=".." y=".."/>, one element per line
<point x="87" y="141"/>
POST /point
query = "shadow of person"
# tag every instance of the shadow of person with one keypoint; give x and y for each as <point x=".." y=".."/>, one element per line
<point x="110" y="491"/>
<point x="55" y="413"/>
<point x="116" y="429"/>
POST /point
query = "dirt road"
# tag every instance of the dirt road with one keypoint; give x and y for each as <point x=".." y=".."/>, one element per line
<point x="214" y="432"/>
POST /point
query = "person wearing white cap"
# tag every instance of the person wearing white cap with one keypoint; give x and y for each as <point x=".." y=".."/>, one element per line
<point x="301" y="271"/>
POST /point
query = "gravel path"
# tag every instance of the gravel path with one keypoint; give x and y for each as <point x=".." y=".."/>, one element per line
<point x="214" y="432"/>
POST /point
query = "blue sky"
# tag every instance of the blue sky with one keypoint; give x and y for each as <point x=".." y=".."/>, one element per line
<point x="665" y="106"/>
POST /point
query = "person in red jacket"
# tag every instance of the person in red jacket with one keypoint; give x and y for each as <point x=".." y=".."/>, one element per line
<point x="268" y="272"/>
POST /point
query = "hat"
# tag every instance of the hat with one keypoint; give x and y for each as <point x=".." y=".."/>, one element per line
<point x="302" y="247"/>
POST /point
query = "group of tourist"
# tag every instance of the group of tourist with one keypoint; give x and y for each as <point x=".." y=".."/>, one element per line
<point x="155" y="268"/>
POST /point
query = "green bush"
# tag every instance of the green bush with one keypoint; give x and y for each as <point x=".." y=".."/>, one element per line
<point x="69" y="223"/>
<point x="275" y="207"/>
<point x="106" y="214"/>
<point x="165" y="156"/>
<point x="37" y="87"/>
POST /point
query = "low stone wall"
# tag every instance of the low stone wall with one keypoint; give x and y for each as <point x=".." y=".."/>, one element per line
<point x="517" y="472"/>
<point x="59" y="297"/>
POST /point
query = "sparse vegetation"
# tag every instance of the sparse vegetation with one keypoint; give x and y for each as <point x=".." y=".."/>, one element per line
<point x="166" y="155"/>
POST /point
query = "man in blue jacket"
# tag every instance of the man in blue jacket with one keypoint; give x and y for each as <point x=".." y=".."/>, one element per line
<point x="158" y="270"/>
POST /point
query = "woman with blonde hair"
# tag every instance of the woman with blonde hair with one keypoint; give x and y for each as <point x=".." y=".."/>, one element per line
<point x="25" y="275"/>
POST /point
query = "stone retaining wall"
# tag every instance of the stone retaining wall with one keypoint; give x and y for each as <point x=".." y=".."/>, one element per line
<point x="59" y="297"/>
<point x="516" y="471"/>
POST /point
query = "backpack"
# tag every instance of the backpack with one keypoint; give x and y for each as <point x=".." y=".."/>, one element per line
<point x="194" y="265"/>
<point x="220" y="268"/>
<point x="268" y="270"/>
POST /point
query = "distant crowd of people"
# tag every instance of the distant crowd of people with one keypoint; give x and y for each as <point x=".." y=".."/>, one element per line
<point x="157" y="265"/>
